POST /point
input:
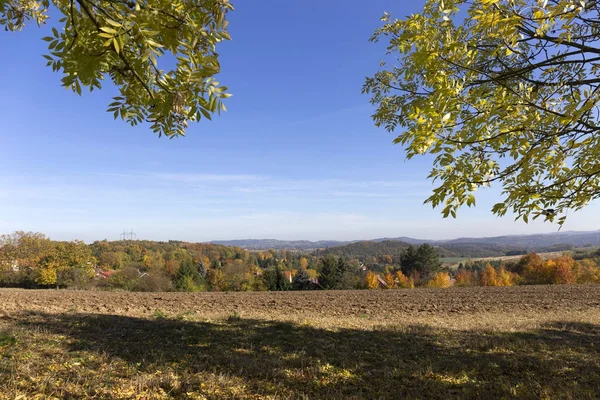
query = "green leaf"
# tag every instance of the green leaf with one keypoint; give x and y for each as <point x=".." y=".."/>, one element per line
<point x="108" y="30"/>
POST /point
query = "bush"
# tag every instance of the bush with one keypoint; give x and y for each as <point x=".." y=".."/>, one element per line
<point x="126" y="279"/>
<point x="78" y="278"/>
<point x="155" y="281"/>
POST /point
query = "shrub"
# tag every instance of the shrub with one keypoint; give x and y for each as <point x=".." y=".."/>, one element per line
<point x="440" y="280"/>
<point x="156" y="281"/>
<point x="73" y="278"/>
<point x="126" y="279"/>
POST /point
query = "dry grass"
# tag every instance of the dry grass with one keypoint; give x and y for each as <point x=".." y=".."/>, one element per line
<point x="544" y="348"/>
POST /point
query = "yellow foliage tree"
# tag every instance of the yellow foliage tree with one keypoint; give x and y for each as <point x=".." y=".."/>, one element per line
<point x="504" y="278"/>
<point x="303" y="263"/>
<point x="47" y="275"/>
<point x="371" y="280"/>
<point x="440" y="280"/>
<point x="312" y="273"/>
<point x="389" y="280"/>
<point x="403" y="281"/>
<point x="587" y="271"/>
<point x="488" y="276"/>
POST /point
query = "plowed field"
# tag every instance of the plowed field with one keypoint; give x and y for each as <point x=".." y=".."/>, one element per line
<point x="518" y="342"/>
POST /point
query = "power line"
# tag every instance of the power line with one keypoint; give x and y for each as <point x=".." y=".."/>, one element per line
<point x="128" y="235"/>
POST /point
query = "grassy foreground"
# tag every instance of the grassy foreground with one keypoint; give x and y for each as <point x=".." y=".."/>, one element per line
<point x="70" y="354"/>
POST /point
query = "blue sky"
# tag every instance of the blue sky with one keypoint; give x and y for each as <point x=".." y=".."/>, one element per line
<point x="295" y="157"/>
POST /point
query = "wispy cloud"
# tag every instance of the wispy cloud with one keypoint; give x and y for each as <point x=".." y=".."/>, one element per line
<point x="206" y="178"/>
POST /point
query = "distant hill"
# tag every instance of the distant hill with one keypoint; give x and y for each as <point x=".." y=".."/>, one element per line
<point x="536" y="241"/>
<point x="461" y="247"/>
<point x="365" y="249"/>
<point x="274" y="244"/>
<point x="404" y="239"/>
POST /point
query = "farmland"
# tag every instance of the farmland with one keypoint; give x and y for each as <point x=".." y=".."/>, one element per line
<point x="524" y="342"/>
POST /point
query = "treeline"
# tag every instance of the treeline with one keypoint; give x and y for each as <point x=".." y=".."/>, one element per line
<point x="366" y="250"/>
<point x="31" y="260"/>
<point x="531" y="269"/>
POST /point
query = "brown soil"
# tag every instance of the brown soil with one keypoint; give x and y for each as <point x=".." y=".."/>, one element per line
<point x="487" y="305"/>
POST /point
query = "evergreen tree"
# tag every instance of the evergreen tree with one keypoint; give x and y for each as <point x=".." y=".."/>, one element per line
<point x="188" y="277"/>
<point x="329" y="276"/>
<point x="428" y="261"/>
<point x="301" y="280"/>
<point x="424" y="260"/>
<point x="408" y="260"/>
<point x="283" y="282"/>
<point x="270" y="278"/>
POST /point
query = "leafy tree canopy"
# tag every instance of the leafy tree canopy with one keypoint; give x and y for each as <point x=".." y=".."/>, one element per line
<point x="161" y="55"/>
<point x="499" y="91"/>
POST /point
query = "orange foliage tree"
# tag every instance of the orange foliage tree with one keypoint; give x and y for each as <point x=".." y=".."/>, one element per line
<point x="488" y="276"/>
<point x="465" y="277"/>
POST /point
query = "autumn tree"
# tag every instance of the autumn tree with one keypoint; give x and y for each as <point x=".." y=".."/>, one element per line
<point x="303" y="263"/>
<point x="500" y="93"/>
<point x="564" y="268"/>
<point x="160" y="55"/>
<point x="587" y="271"/>
<point x="488" y="277"/>
<point x="404" y="282"/>
<point x="465" y="278"/>
<point x="504" y="277"/>
<point x="390" y="280"/>
<point x="530" y="260"/>
<point x="371" y="280"/>
<point x="440" y="280"/>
